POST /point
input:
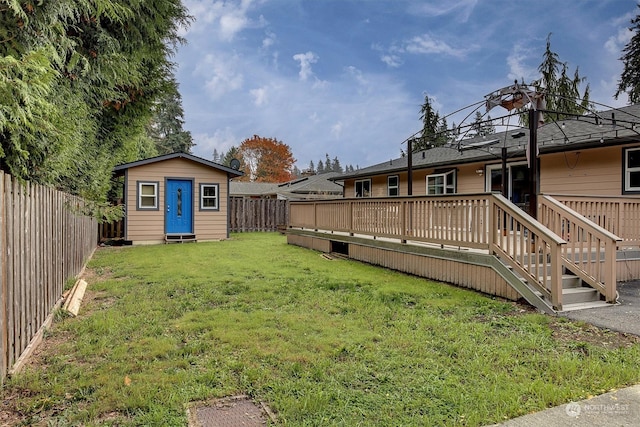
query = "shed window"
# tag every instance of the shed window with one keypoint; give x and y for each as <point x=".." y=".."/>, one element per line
<point x="441" y="183"/>
<point x="363" y="188"/>
<point x="209" y="197"/>
<point x="393" y="186"/>
<point x="147" y="195"/>
<point x="632" y="170"/>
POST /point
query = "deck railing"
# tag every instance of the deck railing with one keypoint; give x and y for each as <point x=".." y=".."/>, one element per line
<point x="618" y="215"/>
<point x="590" y="252"/>
<point x="481" y="221"/>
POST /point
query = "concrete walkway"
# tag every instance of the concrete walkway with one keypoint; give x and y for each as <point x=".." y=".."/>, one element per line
<point x="620" y="408"/>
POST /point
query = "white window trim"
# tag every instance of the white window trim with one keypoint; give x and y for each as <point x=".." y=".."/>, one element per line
<point x="355" y="186"/>
<point x="445" y="187"/>
<point x="140" y="195"/>
<point x="389" y="186"/>
<point x="202" y="197"/>
<point x="628" y="170"/>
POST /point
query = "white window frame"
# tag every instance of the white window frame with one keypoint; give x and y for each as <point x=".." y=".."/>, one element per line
<point x="447" y="187"/>
<point x="155" y="186"/>
<point x="361" y="182"/>
<point x="203" y="197"/>
<point x="393" y="187"/>
<point x="628" y="170"/>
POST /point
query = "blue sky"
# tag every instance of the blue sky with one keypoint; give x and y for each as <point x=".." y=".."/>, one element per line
<point x="348" y="78"/>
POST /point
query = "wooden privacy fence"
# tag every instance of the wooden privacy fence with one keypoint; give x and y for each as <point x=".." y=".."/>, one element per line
<point x="43" y="243"/>
<point x="257" y="214"/>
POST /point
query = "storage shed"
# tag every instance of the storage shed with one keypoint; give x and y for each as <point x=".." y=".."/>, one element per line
<point x="176" y="197"/>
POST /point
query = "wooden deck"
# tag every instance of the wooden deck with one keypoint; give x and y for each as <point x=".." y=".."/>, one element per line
<point x="480" y="241"/>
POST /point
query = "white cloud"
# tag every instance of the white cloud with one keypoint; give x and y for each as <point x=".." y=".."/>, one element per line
<point x="222" y="140"/>
<point x="392" y="61"/>
<point x="220" y="74"/>
<point x="517" y="63"/>
<point x="305" y="60"/>
<point x="426" y="44"/>
<point x="259" y="96"/>
<point x="615" y="44"/>
<point x="336" y="130"/>
<point x="226" y="18"/>
<point x="460" y="9"/>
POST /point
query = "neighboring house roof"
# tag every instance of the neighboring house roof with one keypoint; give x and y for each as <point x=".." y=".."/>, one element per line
<point x="314" y="186"/>
<point x="255" y="189"/>
<point x="121" y="168"/>
<point x="607" y="128"/>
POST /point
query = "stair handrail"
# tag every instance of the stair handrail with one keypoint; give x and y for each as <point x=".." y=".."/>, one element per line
<point x="589" y="239"/>
<point x="530" y="248"/>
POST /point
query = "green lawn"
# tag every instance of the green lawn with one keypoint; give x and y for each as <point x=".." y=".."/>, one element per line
<point x="322" y="342"/>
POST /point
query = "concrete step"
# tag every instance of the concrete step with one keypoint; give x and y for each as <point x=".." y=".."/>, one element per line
<point x="579" y="295"/>
<point x="585" y="305"/>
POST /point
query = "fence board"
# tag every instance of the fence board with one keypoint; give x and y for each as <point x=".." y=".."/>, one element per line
<point x="42" y="244"/>
<point x="257" y="214"/>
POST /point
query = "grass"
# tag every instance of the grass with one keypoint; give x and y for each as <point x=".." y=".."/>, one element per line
<point x="322" y="342"/>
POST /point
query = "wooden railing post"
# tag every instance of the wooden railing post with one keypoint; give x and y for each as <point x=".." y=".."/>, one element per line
<point x="556" y="277"/>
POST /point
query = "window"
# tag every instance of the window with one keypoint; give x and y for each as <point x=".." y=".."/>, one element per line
<point x="632" y="170"/>
<point x="442" y="183"/>
<point x="209" y="197"/>
<point x="147" y="195"/>
<point x="393" y="186"/>
<point x="363" y="188"/>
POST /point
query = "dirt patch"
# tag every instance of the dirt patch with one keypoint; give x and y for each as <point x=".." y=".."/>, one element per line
<point x="580" y="332"/>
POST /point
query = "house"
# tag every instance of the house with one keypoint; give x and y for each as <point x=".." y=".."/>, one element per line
<point x="175" y="197"/>
<point x="592" y="155"/>
<point x="302" y="188"/>
<point x="549" y="213"/>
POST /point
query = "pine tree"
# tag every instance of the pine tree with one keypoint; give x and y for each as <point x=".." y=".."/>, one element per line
<point x="320" y="168"/>
<point x="336" y="167"/>
<point x="630" y="78"/>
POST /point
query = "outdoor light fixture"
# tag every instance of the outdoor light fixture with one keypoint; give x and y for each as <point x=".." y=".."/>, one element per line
<point x="480" y="171"/>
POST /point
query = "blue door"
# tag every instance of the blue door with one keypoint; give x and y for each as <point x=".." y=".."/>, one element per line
<point x="179" y="206"/>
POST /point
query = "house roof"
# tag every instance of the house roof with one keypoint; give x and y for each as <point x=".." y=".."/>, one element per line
<point x="119" y="170"/>
<point x="313" y="186"/>
<point x="239" y="188"/>
<point x="611" y="127"/>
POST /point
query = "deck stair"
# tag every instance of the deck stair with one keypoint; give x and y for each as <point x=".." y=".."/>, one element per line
<point x="576" y="295"/>
<point x="179" y="237"/>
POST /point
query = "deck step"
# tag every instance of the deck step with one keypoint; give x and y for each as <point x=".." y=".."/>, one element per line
<point x="579" y="295"/>
<point x="179" y="238"/>
<point x="585" y="305"/>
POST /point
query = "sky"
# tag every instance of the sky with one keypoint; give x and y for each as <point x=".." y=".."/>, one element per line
<point x="347" y="78"/>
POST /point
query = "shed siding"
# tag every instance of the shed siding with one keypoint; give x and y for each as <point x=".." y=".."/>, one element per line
<point x="149" y="227"/>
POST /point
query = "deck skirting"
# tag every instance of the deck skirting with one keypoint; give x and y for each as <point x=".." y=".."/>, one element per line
<point x="469" y="269"/>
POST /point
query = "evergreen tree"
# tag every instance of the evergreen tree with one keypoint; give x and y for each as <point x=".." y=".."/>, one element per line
<point x="312" y="167"/>
<point x="233" y="153"/>
<point x="327" y="163"/>
<point x="320" y="168"/>
<point x="630" y="78"/>
<point x="481" y="127"/>
<point x="216" y="155"/>
<point x="562" y="92"/>
<point x="166" y="124"/>
<point x="336" y="167"/>
<point x="434" y="131"/>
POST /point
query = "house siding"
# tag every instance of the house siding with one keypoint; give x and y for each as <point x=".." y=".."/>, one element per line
<point x="146" y="226"/>
<point x="589" y="172"/>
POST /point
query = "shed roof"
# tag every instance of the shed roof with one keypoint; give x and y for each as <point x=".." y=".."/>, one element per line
<point x="607" y="128"/>
<point x="119" y="170"/>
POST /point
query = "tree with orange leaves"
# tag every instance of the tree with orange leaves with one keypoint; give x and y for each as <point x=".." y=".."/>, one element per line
<point x="266" y="159"/>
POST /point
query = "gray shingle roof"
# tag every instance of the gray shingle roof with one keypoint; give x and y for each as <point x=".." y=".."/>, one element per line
<point x="570" y="134"/>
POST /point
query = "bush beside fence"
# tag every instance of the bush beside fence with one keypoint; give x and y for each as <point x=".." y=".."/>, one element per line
<point x="43" y="243"/>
